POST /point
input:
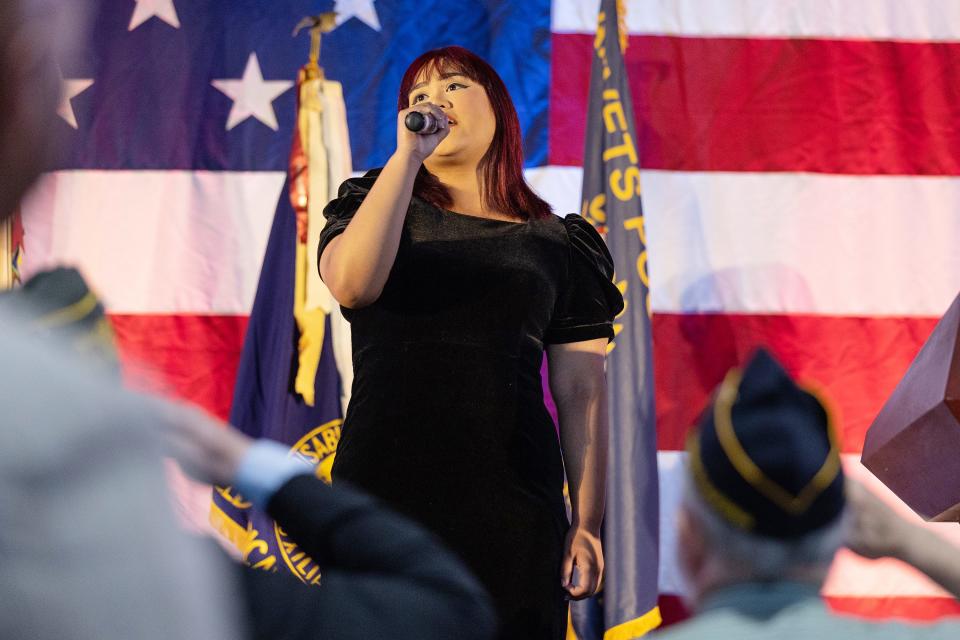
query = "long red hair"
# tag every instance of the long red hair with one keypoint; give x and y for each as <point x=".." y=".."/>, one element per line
<point x="501" y="168"/>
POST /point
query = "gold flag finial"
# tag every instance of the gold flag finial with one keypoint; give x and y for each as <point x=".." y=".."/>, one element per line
<point x="622" y="25"/>
<point x="318" y="25"/>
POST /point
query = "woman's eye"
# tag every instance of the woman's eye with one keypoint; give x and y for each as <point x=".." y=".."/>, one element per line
<point x="455" y="85"/>
<point x="418" y="98"/>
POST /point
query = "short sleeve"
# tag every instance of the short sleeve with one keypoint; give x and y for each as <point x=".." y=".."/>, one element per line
<point x="589" y="301"/>
<point x="339" y="211"/>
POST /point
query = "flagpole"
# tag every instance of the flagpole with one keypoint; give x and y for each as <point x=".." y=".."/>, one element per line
<point x="308" y="173"/>
<point x="318" y="25"/>
<point x="6" y="254"/>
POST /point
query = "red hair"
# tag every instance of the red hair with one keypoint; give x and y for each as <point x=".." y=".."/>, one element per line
<point x="502" y="185"/>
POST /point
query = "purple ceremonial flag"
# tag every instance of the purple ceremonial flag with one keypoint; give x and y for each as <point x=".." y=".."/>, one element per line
<point x="611" y="201"/>
<point x="265" y="404"/>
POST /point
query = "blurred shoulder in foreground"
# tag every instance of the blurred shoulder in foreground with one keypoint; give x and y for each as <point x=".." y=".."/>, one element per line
<point x="90" y="543"/>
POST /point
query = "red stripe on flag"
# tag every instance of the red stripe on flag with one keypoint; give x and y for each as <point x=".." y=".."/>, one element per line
<point x="192" y="357"/>
<point x="737" y="104"/>
<point x="674" y="610"/>
<point x="918" y="609"/>
<point x="855" y="362"/>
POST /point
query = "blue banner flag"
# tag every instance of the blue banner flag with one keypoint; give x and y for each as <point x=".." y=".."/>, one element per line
<point x="627" y="607"/>
<point x="265" y="404"/>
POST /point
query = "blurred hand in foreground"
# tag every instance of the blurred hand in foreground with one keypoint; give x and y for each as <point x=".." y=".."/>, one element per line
<point x="877" y="531"/>
<point x="206" y="448"/>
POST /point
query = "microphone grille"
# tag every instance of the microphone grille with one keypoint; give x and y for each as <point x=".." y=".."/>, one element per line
<point x="415" y="121"/>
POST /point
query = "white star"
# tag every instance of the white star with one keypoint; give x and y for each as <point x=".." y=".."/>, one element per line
<point x="362" y="10"/>
<point x="147" y="9"/>
<point x="252" y="95"/>
<point x="70" y="90"/>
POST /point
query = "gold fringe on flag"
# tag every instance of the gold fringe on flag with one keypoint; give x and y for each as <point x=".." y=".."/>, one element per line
<point x="316" y="168"/>
<point x="622" y="25"/>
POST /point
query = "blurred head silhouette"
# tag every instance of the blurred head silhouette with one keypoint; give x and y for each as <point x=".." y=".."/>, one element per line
<point x="765" y="501"/>
<point x="34" y="35"/>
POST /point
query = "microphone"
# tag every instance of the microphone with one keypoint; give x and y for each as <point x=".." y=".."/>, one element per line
<point x="422" y="124"/>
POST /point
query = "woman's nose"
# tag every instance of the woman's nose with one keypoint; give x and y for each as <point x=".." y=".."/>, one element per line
<point x="440" y="99"/>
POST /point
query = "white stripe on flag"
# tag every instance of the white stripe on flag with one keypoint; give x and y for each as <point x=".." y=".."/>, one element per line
<point x="156" y="241"/>
<point x="803" y="243"/>
<point x="792" y="243"/>
<point x="930" y="20"/>
<point x="180" y="242"/>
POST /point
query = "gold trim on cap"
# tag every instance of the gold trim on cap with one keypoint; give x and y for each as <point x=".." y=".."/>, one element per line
<point x="69" y="314"/>
<point x="729" y="510"/>
<point x="750" y="472"/>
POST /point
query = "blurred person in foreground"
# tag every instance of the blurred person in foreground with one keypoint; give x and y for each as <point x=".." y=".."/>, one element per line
<point x="90" y="546"/>
<point x="383" y="577"/>
<point x="763" y="515"/>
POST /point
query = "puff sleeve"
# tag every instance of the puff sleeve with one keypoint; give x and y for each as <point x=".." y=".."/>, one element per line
<point x="589" y="301"/>
<point x="339" y="211"/>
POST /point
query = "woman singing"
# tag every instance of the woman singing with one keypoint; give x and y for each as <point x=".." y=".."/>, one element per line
<point x="455" y="277"/>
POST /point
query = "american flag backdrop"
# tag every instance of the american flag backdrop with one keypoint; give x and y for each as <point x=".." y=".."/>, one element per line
<point x="801" y="186"/>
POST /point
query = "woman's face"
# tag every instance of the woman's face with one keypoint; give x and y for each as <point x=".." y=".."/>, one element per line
<point x="472" y="123"/>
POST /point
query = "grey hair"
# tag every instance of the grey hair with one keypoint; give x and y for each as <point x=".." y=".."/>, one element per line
<point x="762" y="557"/>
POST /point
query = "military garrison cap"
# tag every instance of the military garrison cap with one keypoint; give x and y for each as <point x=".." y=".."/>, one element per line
<point x="59" y="304"/>
<point x="765" y="456"/>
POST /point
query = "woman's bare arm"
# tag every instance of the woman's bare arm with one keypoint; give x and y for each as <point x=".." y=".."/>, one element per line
<point x="355" y="265"/>
<point x="578" y="384"/>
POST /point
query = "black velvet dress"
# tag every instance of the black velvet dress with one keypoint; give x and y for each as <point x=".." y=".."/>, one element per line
<point x="447" y="423"/>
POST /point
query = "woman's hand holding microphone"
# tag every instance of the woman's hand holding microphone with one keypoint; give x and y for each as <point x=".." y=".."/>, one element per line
<point x="355" y="265"/>
<point x="419" y="146"/>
